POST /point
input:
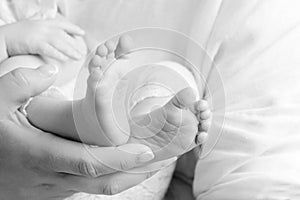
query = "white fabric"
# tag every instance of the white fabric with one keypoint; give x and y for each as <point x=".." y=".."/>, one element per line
<point x="255" y="45"/>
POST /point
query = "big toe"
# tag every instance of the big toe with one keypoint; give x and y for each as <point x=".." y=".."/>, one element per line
<point x="125" y="45"/>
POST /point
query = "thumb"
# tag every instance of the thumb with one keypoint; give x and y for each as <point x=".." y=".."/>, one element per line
<point x="17" y="86"/>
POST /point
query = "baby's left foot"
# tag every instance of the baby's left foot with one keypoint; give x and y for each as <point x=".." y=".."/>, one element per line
<point x="104" y="104"/>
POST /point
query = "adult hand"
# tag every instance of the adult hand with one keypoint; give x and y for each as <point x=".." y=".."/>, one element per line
<point x="39" y="165"/>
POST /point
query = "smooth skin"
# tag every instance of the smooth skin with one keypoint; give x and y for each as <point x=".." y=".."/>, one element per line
<point x="173" y="129"/>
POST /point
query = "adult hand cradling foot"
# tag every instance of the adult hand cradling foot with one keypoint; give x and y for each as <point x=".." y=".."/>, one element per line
<point x="38" y="165"/>
<point x="101" y="117"/>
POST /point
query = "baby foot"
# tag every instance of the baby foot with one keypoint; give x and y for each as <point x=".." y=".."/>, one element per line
<point x="104" y="108"/>
<point x="172" y="129"/>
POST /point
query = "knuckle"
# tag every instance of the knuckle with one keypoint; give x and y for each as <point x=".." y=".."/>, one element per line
<point x="124" y="165"/>
<point x="112" y="188"/>
<point x="19" y="79"/>
<point x="88" y="169"/>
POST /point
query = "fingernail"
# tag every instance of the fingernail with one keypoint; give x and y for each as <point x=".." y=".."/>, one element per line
<point x="145" y="157"/>
<point x="48" y="70"/>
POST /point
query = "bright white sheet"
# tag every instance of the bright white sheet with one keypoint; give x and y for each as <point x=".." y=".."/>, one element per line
<point x="255" y="45"/>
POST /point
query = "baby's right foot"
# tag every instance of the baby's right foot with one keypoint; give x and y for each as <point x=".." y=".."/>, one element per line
<point x="173" y="129"/>
<point x="103" y="106"/>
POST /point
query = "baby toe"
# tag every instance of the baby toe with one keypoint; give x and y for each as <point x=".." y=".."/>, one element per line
<point x="205" y="124"/>
<point x="110" y="46"/>
<point x="205" y="115"/>
<point x="102" y="50"/>
<point x="94" y="63"/>
<point x="201" y="138"/>
<point x="125" y="45"/>
<point x="94" y="78"/>
<point x="202" y="106"/>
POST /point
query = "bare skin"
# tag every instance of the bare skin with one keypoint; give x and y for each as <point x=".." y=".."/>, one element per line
<point x="100" y="93"/>
<point x="169" y="130"/>
<point x="172" y="129"/>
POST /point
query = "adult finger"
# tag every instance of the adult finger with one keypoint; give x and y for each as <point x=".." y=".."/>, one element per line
<point x="73" y="41"/>
<point x="108" y="184"/>
<point x="50" y="51"/>
<point x="117" y="182"/>
<point x="100" y="161"/>
<point x="153" y="167"/>
<point x="66" y="156"/>
<point x="66" y="49"/>
<point x="69" y="27"/>
<point x="17" y="86"/>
